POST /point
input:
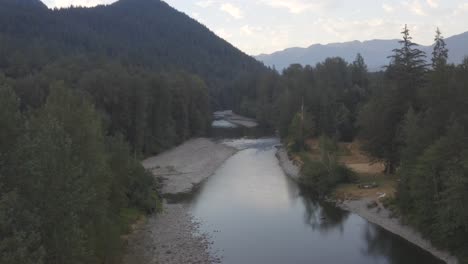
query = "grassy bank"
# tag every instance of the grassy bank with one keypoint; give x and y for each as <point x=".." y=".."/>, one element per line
<point x="321" y="169"/>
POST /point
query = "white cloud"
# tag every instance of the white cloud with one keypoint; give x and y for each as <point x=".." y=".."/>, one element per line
<point x="415" y="7"/>
<point x="433" y="3"/>
<point x="232" y="10"/>
<point x="388" y="8"/>
<point x="223" y="33"/>
<point x="298" y="6"/>
<point x="205" y="3"/>
<point x="247" y="30"/>
<point x="460" y="10"/>
<point x="463" y="7"/>
<point x="338" y="29"/>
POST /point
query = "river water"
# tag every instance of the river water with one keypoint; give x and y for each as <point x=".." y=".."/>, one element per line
<point x="256" y="214"/>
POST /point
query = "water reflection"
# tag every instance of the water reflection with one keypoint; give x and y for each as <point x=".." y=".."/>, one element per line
<point x="320" y="215"/>
<point x="378" y="244"/>
<point x="256" y="214"/>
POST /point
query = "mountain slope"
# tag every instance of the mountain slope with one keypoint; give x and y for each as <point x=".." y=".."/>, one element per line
<point x="142" y="33"/>
<point x="375" y="52"/>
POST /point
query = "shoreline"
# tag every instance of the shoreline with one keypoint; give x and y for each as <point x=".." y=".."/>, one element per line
<point x="382" y="217"/>
<point x="172" y="236"/>
<point x="187" y="165"/>
<point x="169" y="237"/>
<point x="379" y="216"/>
<point x="289" y="168"/>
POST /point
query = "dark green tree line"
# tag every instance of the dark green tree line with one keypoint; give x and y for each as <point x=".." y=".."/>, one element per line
<point x="417" y="124"/>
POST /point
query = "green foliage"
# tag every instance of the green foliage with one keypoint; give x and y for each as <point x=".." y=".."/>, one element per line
<point x="19" y="229"/>
<point x="64" y="153"/>
<point x="19" y="225"/>
<point x="60" y="201"/>
<point x="381" y="119"/>
<point x="433" y="187"/>
<point x="85" y="92"/>
<point x="128" y="216"/>
<point x="440" y="52"/>
<point x="132" y="185"/>
<point x="302" y="126"/>
<point x="324" y="174"/>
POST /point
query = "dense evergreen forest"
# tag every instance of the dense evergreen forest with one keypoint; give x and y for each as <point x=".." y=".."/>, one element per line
<point x="412" y="117"/>
<point x="84" y="94"/>
<point x="134" y="33"/>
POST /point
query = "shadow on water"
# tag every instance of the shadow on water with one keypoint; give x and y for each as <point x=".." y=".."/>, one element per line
<point x="321" y="215"/>
<point x="380" y="242"/>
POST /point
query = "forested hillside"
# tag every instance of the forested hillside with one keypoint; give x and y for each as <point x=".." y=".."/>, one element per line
<point x="84" y="94"/>
<point x="412" y="118"/>
<point x="136" y="33"/>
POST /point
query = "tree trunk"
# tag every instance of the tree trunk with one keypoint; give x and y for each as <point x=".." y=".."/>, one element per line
<point x="389" y="167"/>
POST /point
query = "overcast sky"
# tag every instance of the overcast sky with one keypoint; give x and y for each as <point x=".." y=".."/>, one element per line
<point x="265" y="26"/>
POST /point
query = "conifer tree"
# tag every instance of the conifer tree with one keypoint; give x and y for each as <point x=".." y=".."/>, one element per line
<point x="440" y="51"/>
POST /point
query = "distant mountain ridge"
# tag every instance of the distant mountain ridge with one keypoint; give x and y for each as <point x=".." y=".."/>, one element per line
<point x="375" y="52"/>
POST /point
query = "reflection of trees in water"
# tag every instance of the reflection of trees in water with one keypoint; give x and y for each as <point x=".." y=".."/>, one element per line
<point x="321" y="215"/>
<point x="381" y="244"/>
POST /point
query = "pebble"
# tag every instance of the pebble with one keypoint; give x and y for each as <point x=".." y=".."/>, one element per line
<point x="171" y="240"/>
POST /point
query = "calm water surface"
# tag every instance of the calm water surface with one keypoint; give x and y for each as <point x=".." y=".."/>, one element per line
<point x="255" y="214"/>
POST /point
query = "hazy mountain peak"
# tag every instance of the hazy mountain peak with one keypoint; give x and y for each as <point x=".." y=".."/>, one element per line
<point x="375" y="52"/>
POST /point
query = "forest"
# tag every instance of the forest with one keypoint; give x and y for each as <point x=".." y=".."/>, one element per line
<point x="84" y="96"/>
<point x="86" y="93"/>
<point x="71" y="141"/>
<point x="411" y="116"/>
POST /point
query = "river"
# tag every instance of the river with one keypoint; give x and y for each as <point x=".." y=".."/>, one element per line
<point x="256" y="214"/>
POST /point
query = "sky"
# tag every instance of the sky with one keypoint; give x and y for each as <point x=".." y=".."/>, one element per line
<point x="266" y="26"/>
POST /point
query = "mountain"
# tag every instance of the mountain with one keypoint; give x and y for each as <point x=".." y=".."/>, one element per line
<point x="375" y="52"/>
<point x="139" y="33"/>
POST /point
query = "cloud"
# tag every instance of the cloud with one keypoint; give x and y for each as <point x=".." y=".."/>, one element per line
<point x="205" y="3"/>
<point x="232" y="10"/>
<point x="250" y="31"/>
<point x="388" y="8"/>
<point x="246" y="30"/>
<point x="223" y="33"/>
<point x="298" y="6"/>
<point x="415" y="7"/>
<point x="338" y="29"/>
<point x="463" y="7"/>
<point x="433" y="3"/>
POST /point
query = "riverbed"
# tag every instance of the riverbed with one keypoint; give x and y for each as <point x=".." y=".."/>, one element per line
<point x="254" y="213"/>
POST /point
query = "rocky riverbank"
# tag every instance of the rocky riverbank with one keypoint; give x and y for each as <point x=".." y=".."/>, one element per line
<point x="172" y="237"/>
<point x="169" y="238"/>
<point x="288" y="166"/>
<point x="187" y="165"/>
<point x="382" y="217"/>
